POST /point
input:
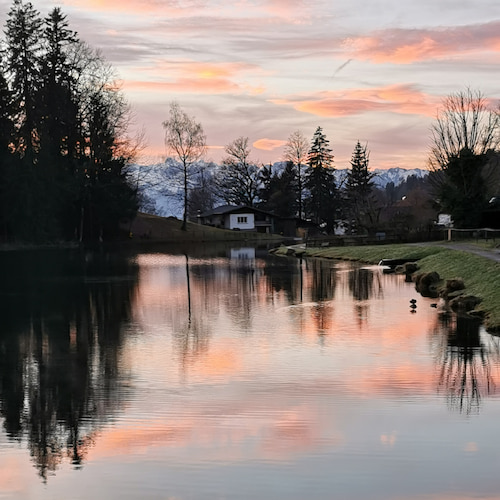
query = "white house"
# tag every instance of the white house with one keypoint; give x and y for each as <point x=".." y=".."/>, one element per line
<point x="239" y="218"/>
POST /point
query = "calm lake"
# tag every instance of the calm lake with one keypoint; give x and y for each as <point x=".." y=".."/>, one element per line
<point x="235" y="374"/>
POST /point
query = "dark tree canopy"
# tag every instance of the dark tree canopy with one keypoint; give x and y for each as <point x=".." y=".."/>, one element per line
<point x="463" y="158"/>
<point x="361" y="204"/>
<point x="62" y="134"/>
<point x="279" y="191"/>
<point x="321" y="203"/>
<point x="238" y="176"/>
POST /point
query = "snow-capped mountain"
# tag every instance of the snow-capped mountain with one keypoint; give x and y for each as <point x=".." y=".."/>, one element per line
<point x="161" y="184"/>
<point x="396" y="175"/>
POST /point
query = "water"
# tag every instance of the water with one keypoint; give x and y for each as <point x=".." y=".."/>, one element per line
<point x="237" y="375"/>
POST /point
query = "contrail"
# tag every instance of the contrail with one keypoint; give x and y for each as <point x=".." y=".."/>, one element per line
<point x="341" y="67"/>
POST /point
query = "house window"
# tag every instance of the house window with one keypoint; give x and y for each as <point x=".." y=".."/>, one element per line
<point x="242" y="220"/>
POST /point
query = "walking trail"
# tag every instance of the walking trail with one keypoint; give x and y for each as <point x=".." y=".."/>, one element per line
<point x="489" y="253"/>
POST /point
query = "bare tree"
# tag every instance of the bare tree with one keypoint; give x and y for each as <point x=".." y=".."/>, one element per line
<point x="185" y="139"/>
<point x="464" y="122"/>
<point x="238" y="177"/>
<point x="296" y="151"/>
<point x="464" y="155"/>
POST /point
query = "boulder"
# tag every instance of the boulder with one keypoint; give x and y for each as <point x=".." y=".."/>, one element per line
<point x="427" y="284"/>
<point x="464" y="303"/>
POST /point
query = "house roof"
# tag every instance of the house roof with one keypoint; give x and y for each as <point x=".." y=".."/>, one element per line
<point x="228" y="209"/>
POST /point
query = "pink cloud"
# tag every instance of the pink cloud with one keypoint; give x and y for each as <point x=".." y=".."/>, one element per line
<point x="268" y="144"/>
<point x="404" y="99"/>
<point x="169" y="7"/>
<point x="199" y="77"/>
<point x="407" y="46"/>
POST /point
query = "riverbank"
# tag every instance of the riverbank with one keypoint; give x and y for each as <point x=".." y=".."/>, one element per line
<point x="480" y="274"/>
<point x="147" y="229"/>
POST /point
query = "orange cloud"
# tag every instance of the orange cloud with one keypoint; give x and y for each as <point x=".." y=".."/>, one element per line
<point x="205" y="86"/>
<point x="268" y="144"/>
<point x="198" y="77"/>
<point x="409" y="46"/>
<point x="404" y="99"/>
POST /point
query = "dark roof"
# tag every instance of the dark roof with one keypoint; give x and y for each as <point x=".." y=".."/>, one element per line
<point x="227" y="209"/>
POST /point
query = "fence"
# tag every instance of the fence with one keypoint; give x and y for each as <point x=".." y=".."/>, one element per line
<point x="473" y="234"/>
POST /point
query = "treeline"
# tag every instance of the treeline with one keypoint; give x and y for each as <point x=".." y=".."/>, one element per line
<point x="464" y="174"/>
<point x="306" y="187"/>
<point x="63" y="121"/>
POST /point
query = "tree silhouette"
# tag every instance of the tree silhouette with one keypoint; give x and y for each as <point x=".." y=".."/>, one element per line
<point x="321" y="203"/>
<point x="184" y="137"/>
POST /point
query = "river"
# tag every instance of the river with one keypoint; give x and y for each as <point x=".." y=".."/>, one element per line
<point x="234" y="374"/>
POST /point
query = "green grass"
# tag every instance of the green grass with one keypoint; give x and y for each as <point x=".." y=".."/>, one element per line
<point x="374" y="254"/>
<point x="481" y="275"/>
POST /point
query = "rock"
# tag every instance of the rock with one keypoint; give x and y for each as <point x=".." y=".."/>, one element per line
<point x="464" y="303"/>
<point x="452" y="288"/>
<point x="455" y="284"/>
<point x="427" y="284"/>
<point x="410" y="267"/>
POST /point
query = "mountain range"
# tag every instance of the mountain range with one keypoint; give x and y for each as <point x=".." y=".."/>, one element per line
<point x="161" y="184"/>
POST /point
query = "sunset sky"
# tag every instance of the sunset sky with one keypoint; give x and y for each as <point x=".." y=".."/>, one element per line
<point x="366" y="70"/>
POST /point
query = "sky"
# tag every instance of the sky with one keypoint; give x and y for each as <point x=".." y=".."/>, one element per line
<point x="369" y="70"/>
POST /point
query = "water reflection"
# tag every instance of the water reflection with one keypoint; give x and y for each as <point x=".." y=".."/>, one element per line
<point x="62" y="319"/>
<point x="465" y="355"/>
<point x="181" y="365"/>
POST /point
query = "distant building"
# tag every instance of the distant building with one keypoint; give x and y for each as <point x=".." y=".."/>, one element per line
<point x="239" y="218"/>
<point x="445" y="220"/>
<point x="245" y="218"/>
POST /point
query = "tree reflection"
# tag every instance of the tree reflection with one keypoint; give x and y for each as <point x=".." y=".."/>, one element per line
<point x="465" y="359"/>
<point x="324" y="280"/>
<point x="285" y="275"/>
<point x="192" y="337"/>
<point x="59" y="349"/>
<point x="362" y="283"/>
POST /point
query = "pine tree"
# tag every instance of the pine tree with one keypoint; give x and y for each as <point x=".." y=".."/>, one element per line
<point x="23" y="49"/>
<point x="62" y="130"/>
<point x="321" y="203"/>
<point x="360" y="206"/>
<point x="6" y="138"/>
<point x="58" y="97"/>
<point x="279" y="190"/>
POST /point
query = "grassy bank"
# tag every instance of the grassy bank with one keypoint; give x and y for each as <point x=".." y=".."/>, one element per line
<point x="152" y="228"/>
<point x="481" y="275"/>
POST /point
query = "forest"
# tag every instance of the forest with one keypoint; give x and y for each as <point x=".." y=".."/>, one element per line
<point x="63" y="144"/>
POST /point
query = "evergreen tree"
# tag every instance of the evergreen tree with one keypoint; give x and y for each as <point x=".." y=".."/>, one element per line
<point x="279" y="191"/>
<point x="6" y="138"/>
<point x="23" y="49"/>
<point x="63" y="145"/>
<point x="360" y="200"/>
<point x="58" y="96"/>
<point x="321" y="204"/>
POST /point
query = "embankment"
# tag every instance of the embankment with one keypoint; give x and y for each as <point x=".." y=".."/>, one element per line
<point x="480" y="275"/>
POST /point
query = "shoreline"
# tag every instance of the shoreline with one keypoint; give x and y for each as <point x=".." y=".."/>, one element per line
<point x="480" y="274"/>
